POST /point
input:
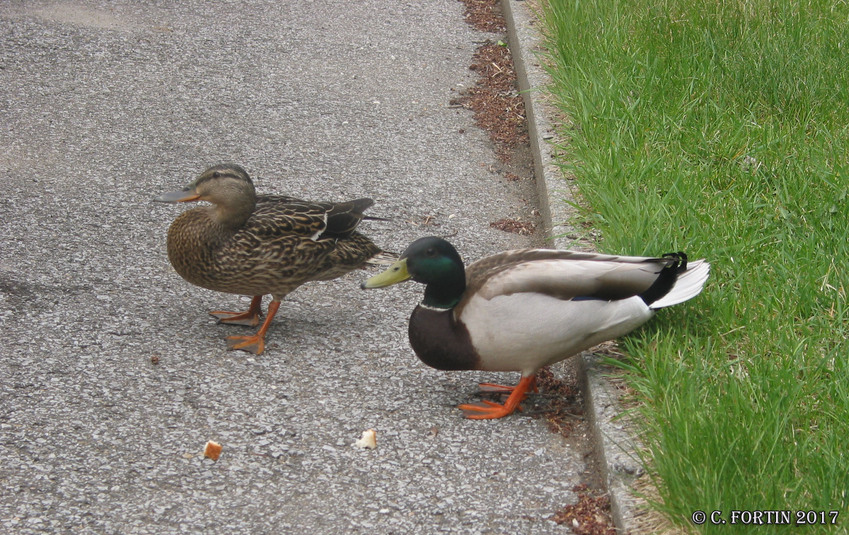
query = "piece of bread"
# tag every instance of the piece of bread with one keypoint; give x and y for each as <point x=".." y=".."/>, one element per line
<point x="212" y="450"/>
<point x="369" y="440"/>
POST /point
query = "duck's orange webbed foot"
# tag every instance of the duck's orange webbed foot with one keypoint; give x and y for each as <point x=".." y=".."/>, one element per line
<point x="236" y="318"/>
<point x="486" y="410"/>
<point x="254" y="344"/>
<point x="250" y="317"/>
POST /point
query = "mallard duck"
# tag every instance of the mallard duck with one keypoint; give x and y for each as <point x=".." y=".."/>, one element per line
<point x="525" y="309"/>
<point x="254" y="245"/>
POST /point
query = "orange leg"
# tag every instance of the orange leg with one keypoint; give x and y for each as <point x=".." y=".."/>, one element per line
<point x="256" y="343"/>
<point x="486" y="410"/>
<point x="250" y="317"/>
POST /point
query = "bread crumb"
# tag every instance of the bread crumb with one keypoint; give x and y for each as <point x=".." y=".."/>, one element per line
<point x="369" y="440"/>
<point x="212" y="450"/>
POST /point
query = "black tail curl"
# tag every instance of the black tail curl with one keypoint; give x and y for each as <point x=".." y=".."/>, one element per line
<point x="666" y="278"/>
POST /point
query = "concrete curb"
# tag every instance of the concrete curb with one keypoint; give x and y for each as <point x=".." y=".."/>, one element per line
<point x="613" y="432"/>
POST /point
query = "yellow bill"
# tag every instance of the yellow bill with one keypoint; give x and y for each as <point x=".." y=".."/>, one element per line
<point x="394" y="274"/>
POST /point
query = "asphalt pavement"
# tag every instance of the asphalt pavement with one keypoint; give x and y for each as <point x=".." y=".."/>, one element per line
<point x="112" y="374"/>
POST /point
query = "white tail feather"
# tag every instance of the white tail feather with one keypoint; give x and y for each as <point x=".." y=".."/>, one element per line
<point x="688" y="285"/>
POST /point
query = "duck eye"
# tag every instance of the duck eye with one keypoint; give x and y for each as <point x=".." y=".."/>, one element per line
<point x="430" y="251"/>
<point x="216" y="174"/>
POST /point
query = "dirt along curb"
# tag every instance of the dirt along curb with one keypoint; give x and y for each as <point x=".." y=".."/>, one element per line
<point x="612" y="431"/>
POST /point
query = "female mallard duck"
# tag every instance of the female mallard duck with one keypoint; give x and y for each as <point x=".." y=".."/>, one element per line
<point x="259" y="244"/>
<point x="525" y="309"/>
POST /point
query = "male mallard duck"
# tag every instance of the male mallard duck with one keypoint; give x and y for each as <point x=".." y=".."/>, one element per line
<point x="259" y="244"/>
<point x="525" y="309"/>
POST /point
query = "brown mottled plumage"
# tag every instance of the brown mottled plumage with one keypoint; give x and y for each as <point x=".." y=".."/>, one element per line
<point x="252" y="244"/>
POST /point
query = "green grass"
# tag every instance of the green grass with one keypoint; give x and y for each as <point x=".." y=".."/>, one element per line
<point x="721" y="128"/>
